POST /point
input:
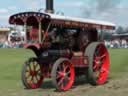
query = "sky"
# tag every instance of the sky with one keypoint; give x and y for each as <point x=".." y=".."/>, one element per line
<point x="115" y="11"/>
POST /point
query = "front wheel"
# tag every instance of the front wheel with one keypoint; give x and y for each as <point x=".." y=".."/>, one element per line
<point x="98" y="60"/>
<point x="31" y="74"/>
<point x="63" y="74"/>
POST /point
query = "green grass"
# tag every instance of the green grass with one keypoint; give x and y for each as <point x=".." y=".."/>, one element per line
<point x="119" y="62"/>
<point x="11" y="61"/>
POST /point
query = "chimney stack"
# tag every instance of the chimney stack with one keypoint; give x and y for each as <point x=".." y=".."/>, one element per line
<point x="49" y="6"/>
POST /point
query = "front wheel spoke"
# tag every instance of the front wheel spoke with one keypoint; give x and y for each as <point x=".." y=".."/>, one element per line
<point x="30" y="67"/>
<point x="27" y="75"/>
<point x="32" y="78"/>
<point x="29" y="82"/>
<point x="38" y="70"/>
<point x="36" y="66"/>
<point x="27" y="70"/>
<point x="33" y="65"/>
<point x="36" y="78"/>
<point x="39" y="74"/>
<point x="29" y="78"/>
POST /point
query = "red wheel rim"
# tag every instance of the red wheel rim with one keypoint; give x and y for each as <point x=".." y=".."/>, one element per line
<point x="101" y="64"/>
<point x="65" y="75"/>
<point x="33" y="75"/>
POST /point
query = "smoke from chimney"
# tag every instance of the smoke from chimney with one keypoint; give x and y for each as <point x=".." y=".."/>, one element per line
<point x="104" y="5"/>
<point x="100" y="7"/>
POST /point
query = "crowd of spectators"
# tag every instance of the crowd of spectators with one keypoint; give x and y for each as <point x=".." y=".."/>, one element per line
<point x="7" y="44"/>
<point x="117" y="43"/>
<point x="16" y="41"/>
<point x="11" y="41"/>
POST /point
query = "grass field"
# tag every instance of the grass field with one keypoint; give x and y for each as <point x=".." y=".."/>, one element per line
<point x="11" y="61"/>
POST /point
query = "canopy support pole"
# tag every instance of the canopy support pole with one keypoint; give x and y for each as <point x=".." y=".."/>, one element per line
<point x="101" y="35"/>
<point x="40" y="32"/>
<point x="25" y="30"/>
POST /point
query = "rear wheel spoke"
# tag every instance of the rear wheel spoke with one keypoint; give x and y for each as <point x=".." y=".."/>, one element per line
<point x="60" y="81"/>
<point x="61" y="74"/>
<point x="58" y="76"/>
<point x="104" y="55"/>
<point x="67" y="78"/>
<point x="99" y="63"/>
<point x="65" y="68"/>
<point x="68" y="72"/>
<point x="63" y="65"/>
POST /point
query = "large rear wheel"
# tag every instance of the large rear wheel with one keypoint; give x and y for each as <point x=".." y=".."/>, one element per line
<point x="98" y="59"/>
<point x="31" y="74"/>
<point x="63" y="74"/>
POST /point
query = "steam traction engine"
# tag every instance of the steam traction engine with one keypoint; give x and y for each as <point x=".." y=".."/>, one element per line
<point x="65" y="48"/>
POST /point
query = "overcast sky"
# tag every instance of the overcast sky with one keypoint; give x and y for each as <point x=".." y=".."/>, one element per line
<point x="115" y="11"/>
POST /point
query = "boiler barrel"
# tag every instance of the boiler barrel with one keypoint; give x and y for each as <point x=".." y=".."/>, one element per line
<point x="60" y="53"/>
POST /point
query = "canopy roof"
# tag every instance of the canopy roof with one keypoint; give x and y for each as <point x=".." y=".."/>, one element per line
<point x="33" y="18"/>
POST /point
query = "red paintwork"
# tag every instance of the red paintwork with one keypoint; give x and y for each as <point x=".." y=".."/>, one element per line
<point x="103" y="68"/>
<point x="32" y="18"/>
<point x="36" y="45"/>
<point x="34" y="34"/>
<point x="67" y="73"/>
<point x="22" y="17"/>
<point x="45" y="69"/>
<point x="79" y="60"/>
